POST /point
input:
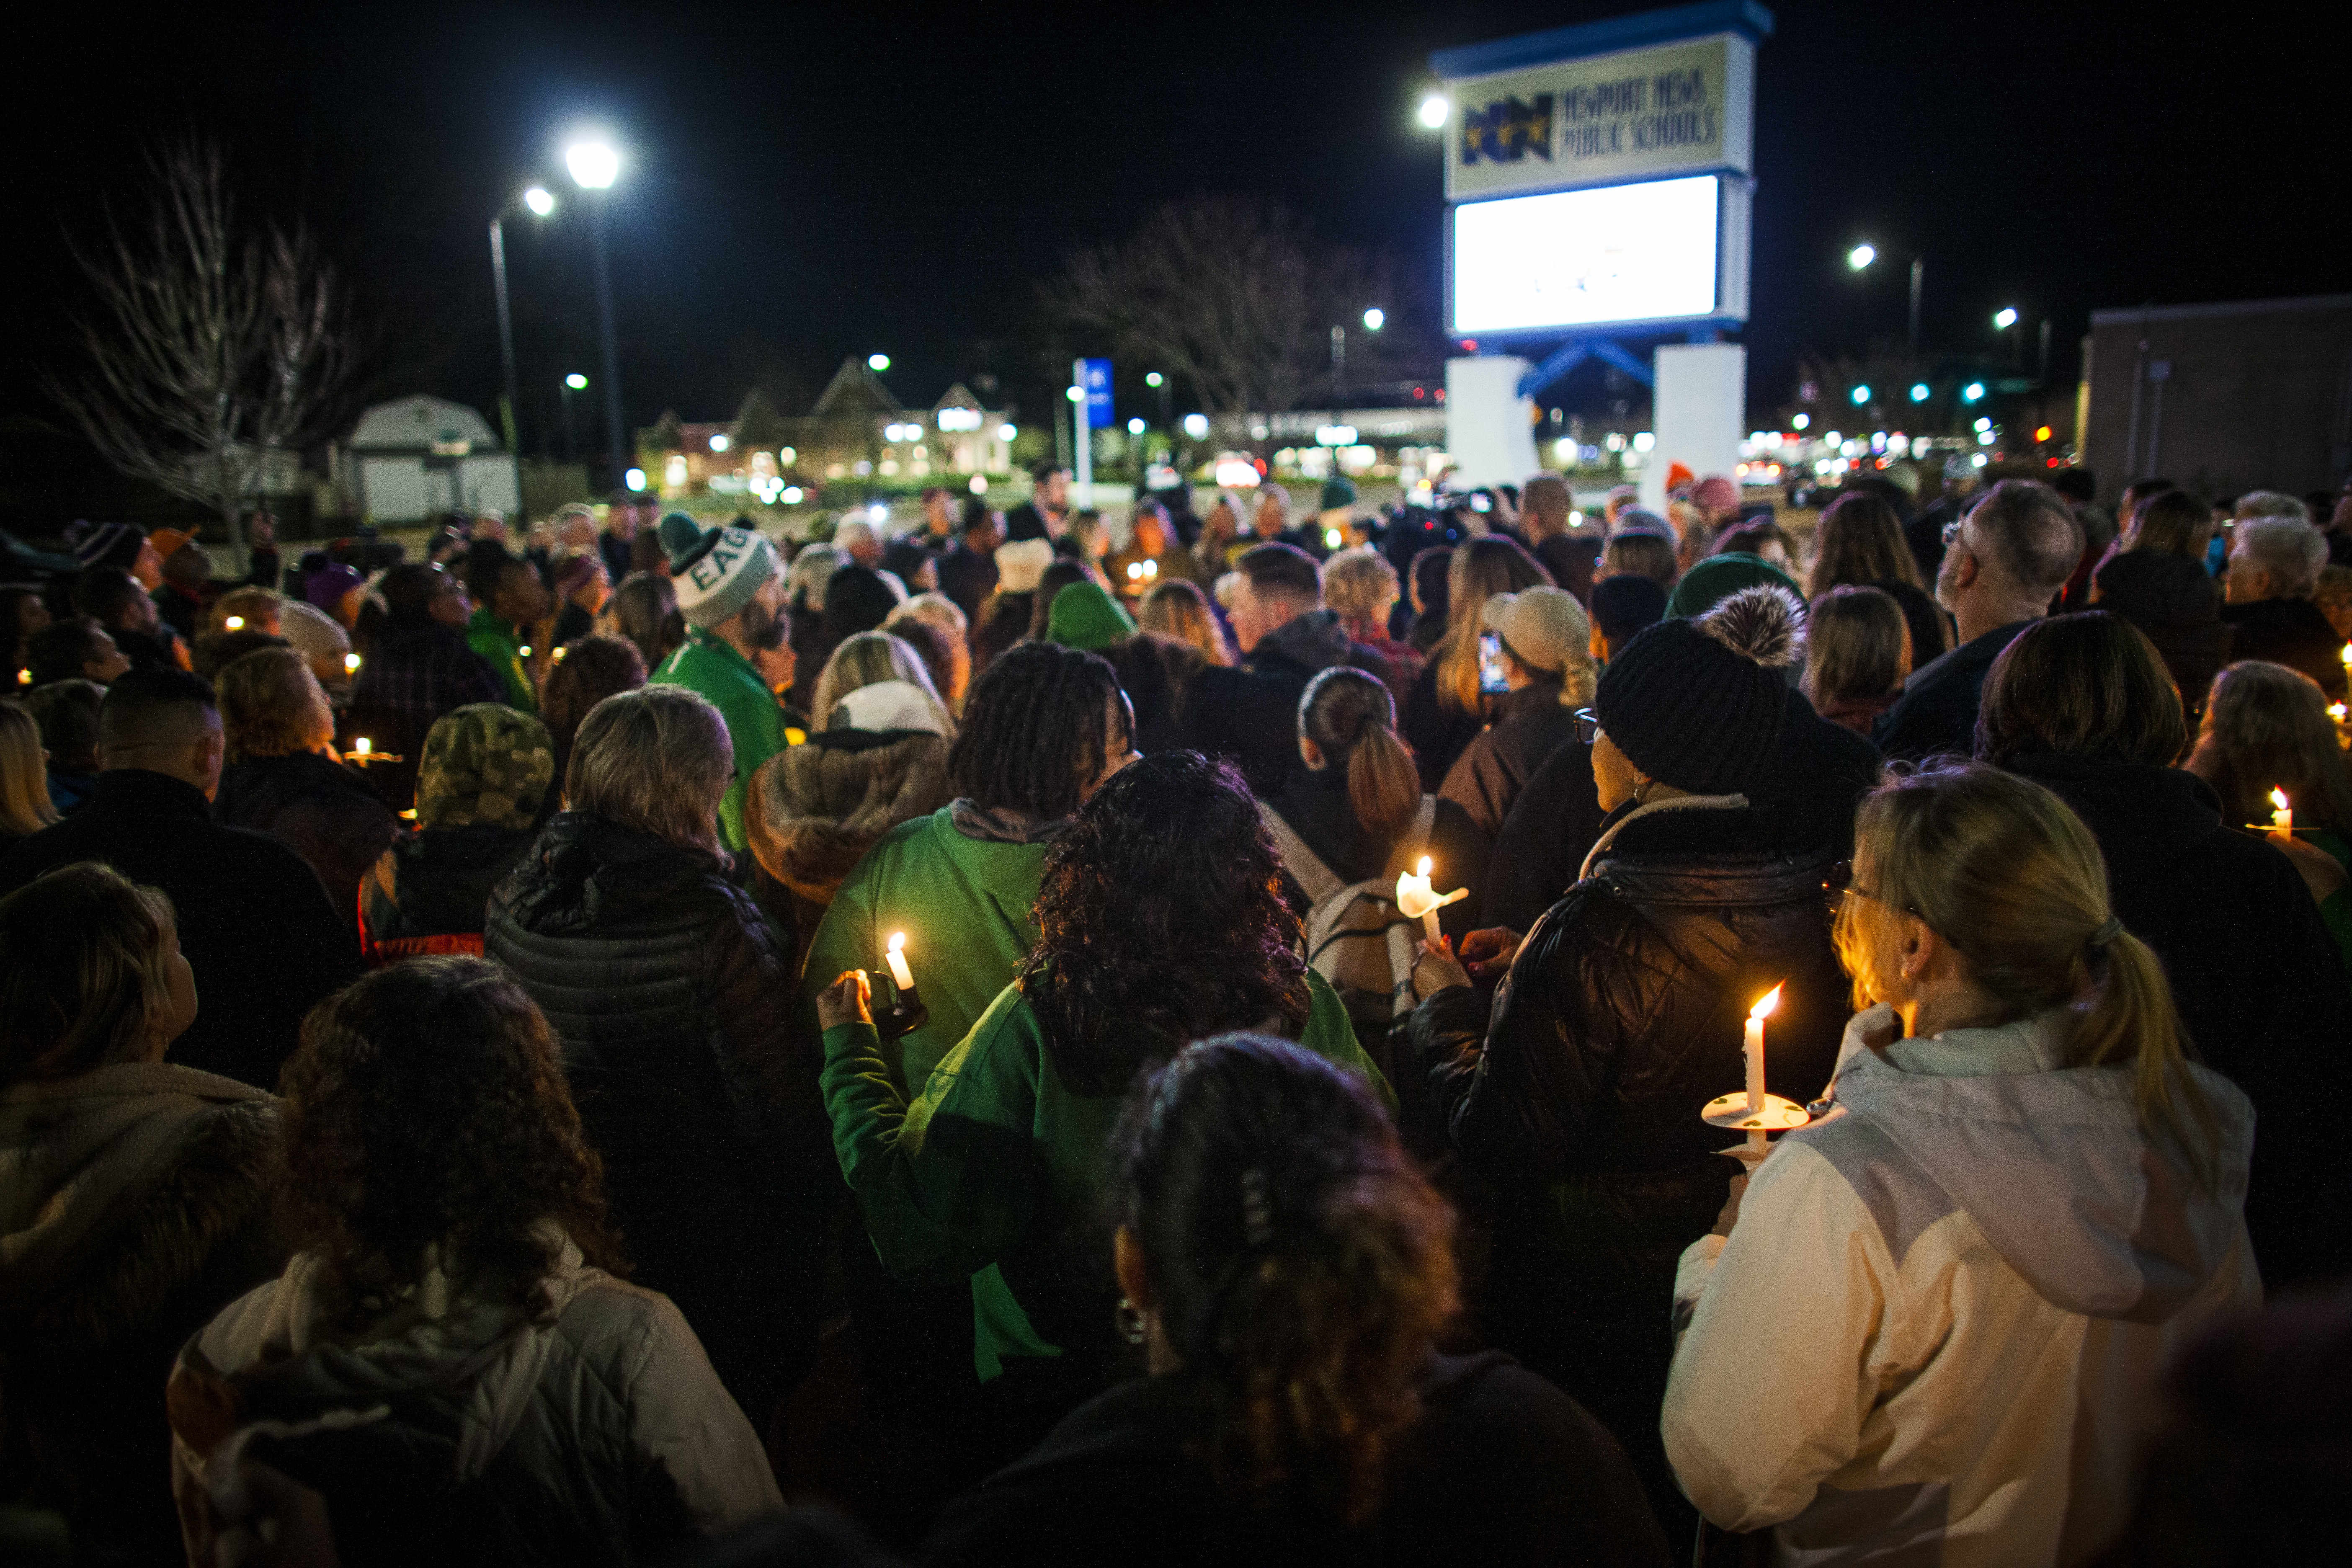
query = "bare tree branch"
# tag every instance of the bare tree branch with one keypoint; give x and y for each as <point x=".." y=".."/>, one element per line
<point x="210" y="353"/>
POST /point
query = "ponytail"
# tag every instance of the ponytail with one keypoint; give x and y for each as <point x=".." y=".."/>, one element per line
<point x="2132" y="1018"/>
<point x="1383" y="787"/>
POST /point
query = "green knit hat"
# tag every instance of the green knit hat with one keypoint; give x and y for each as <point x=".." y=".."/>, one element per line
<point x="1085" y="617"/>
<point x="1338" y="490"/>
<point x="486" y="765"/>
<point x="1719" y="577"/>
<point x="714" y="572"/>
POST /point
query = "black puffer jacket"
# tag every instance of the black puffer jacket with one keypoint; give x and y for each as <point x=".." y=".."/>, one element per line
<point x="1621" y="1017"/>
<point x="672" y="997"/>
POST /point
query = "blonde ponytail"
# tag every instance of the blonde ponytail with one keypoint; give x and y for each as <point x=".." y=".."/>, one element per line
<point x="2132" y="1019"/>
<point x="1383" y="785"/>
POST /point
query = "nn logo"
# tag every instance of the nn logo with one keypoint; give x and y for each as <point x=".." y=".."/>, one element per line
<point x="1508" y="130"/>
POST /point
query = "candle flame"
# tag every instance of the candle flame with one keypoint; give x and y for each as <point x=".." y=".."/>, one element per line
<point x="2278" y="799"/>
<point x="362" y="745"/>
<point x="897" y="941"/>
<point x="1422" y="870"/>
<point x="350" y="663"/>
<point x="235" y="623"/>
<point x="2346" y="655"/>
<point x="1766" y="1003"/>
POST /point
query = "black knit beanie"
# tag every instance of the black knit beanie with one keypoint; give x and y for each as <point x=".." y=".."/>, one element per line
<point x="1698" y="704"/>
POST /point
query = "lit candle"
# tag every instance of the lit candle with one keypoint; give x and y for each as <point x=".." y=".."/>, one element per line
<point x="1419" y="902"/>
<point x="1754" y="1046"/>
<point x="900" y="975"/>
<point x="1134" y="571"/>
<point x="2335" y="711"/>
<point x="1151" y="569"/>
<point x="363" y="746"/>
<point x="351" y="664"/>
<point x="525" y="651"/>
<point x="2282" y="813"/>
<point x="234" y="624"/>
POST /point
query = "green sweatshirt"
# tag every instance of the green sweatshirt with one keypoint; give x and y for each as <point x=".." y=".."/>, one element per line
<point x="709" y="667"/>
<point x="964" y="904"/>
<point x="500" y="647"/>
<point x="996" y="1152"/>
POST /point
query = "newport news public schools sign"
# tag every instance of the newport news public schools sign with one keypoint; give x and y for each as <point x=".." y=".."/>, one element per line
<point x="1636" y="114"/>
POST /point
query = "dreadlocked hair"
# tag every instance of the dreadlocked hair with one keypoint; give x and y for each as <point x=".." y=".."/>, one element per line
<point x="1301" y="1267"/>
<point x="1160" y="919"/>
<point x="1037" y="731"/>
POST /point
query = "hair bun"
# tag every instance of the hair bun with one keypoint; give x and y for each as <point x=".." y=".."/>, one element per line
<point x="1765" y="624"/>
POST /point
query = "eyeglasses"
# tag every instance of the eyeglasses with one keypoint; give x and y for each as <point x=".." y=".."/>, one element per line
<point x="1838" y="886"/>
<point x="1952" y="531"/>
<point x="1588" y="726"/>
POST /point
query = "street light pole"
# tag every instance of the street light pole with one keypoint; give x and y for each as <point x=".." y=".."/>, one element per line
<point x="1918" y="271"/>
<point x="595" y="165"/>
<point x="506" y="339"/>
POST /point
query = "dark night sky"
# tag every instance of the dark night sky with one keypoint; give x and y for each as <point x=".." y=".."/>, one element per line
<point x="811" y="180"/>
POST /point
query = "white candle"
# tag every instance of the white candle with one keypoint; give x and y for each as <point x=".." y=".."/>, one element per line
<point x="1754" y="1048"/>
<point x="1419" y="902"/>
<point x="2282" y="813"/>
<point x="900" y="975"/>
<point x="234" y="624"/>
<point x="362" y="745"/>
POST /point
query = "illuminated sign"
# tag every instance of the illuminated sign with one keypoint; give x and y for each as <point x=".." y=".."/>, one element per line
<point x="1665" y="250"/>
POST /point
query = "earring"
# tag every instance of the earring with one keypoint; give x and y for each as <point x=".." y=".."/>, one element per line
<point x="1128" y="1318"/>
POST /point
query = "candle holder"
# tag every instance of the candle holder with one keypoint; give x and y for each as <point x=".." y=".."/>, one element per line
<point x="1730" y="1112"/>
<point x="903" y="1015"/>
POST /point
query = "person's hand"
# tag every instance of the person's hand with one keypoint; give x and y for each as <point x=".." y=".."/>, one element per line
<point x="1435" y="968"/>
<point x="1488" y="953"/>
<point x="271" y="1520"/>
<point x="1731" y="1215"/>
<point x="2320" y="871"/>
<point x="848" y="1000"/>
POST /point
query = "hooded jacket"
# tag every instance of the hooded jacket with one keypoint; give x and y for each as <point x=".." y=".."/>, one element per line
<point x="430" y="892"/>
<point x="2171" y="599"/>
<point x="322" y="810"/>
<point x="672" y="997"/>
<point x="456" y="1428"/>
<point x="814" y="811"/>
<point x="1250" y="712"/>
<point x="1529" y="725"/>
<point x="132" y="1207"/>
<point x="1937" y="1330"/>
<point x="708" y="666"/>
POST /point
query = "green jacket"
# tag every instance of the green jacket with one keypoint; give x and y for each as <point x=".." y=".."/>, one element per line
<point x="709" y="667"/>
<point x="964" y="904"/>
<point x="988" y="1171"/>
<point x="500" y="647"/>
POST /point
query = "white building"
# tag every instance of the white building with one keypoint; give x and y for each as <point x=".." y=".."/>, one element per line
<point x="408" y="460"/>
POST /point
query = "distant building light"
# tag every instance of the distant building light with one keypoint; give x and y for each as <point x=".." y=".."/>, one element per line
<point x="1802" y="422"/>
<point x="1861" y="395"/>
<point x="576" y="382"/>
<point x="1435" y="111"/>
<point x="1973" y="392"/>
<point x="634" y="478"/>
<point x="877" y="361"/>
<point x="1153" y="378"/>
<point x="1919" y="392"/>
<point x="1334" y="436"/>
<point x="720" y="443"/>
<point x="1007" y="432"/>
<point x="1076" y="394"/>
<point x="791" y="495"/>
<point x="958" y="420"/>
<point x="2004" y="319"/>
<point x="1375" y="318"/>
<point x="1135" y="426"/>
<point x="1644" y="441"/>
<point x="538" y="201"/>
<point x="979" y="484"/>
<point x="1196" y="427"/>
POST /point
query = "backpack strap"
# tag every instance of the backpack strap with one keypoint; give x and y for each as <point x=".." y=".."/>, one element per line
<point x="1314" y="878"/>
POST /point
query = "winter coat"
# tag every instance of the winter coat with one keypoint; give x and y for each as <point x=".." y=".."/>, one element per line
<point x="708" y="666"/>
<point x="253" y="921"/>
<point x="460" y="1428"/>
<point x="963" y="901"/>
<point x="1529" y="725"/>
<point x="1805" y="804"/>
<point x="1623" y="1014"/>
<point x="1937" y="1328"/>
<point x="1314" y="806"/>
<point x="2171" y="599"/>
<point x="673" y="1000"/>
<point x="1250" y="712"/>
<point x="967" y="576"/>
<point x="500" y="646"/>
<point x="1499" y="1467"/>
<point x="1937" y="713"/>
<point x="2292" y="632"/>
<point x="322" y="810"/>
<point x="995" y="1171"/>
<point x="1437" y="732"/>
<point x="132" y="1207"/>
<point x="2255" y="976"/>
<point x="813" y="811"/>
<point x="430" y="892"/>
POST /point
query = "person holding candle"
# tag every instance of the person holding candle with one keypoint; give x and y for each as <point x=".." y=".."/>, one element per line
<point x="1929" y="1326"/>
<point x="1160" y="919"/>
<point x="1624" y="1013"/>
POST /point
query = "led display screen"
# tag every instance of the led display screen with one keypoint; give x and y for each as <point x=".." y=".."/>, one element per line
<point x="1579" y="258"/>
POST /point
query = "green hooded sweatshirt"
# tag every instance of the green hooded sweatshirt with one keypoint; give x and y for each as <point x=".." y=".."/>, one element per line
<point x="997" y="1155"/>
<point x="1083" y="617"/>
<point x="708" y="666"/>
<point x="500" y="647"/>
<point x="964" y="905"/>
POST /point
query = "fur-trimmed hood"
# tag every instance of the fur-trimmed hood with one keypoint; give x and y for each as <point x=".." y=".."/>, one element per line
<point x="814" y="810"/>
<point x="117" y="1190"/>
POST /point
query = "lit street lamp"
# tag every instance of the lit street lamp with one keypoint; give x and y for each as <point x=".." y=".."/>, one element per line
<point x="1862" y="256"/>
<point x="1435" y="111"/>
<point x="595" y="165"/>
<point x="1919" y="392"/>
<point x="1861" y="395"/>
<point x="1375" y="318"/>
<point x="542" y="205"/>
<point x="2004" y="319"/>
<point x="877" y="362"/>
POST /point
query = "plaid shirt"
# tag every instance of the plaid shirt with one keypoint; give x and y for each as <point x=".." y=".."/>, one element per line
<point x="416" y="674"/>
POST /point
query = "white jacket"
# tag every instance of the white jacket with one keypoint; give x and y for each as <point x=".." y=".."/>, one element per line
<point x="1936" y="1332"/>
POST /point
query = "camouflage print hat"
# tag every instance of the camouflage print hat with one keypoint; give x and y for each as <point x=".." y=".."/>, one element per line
<point x="485" y="766"/>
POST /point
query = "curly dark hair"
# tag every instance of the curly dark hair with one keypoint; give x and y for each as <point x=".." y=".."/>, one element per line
<point x="1036" y="731"/>
<point x="1160" y="919"/>
<point x="1300" y="1266"/>
<point x="427" y="1108"/>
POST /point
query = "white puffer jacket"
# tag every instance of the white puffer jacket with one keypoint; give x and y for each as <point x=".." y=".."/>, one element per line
<point x="452" y="1428"/>
<point x="1937" y="1330"/>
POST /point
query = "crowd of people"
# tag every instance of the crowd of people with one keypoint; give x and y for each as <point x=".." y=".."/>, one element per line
<point x="644" y="1041"/>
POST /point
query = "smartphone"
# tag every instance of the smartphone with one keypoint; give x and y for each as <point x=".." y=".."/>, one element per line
<point x="1490" y="665"/>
